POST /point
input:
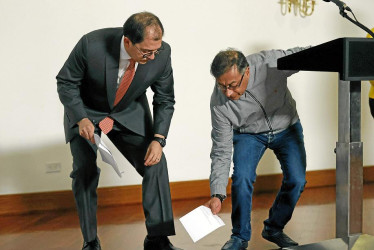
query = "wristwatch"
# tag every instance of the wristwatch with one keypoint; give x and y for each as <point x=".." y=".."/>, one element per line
<point x="221" y="197"/>
<point x="162" y="141"/>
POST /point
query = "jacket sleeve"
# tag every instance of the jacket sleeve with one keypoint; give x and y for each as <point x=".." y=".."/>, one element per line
<point x="69" y="80"/>
<point x="163" y="99"/>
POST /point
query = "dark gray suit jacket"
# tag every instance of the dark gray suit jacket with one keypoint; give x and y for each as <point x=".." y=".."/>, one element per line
<point x="87" y="82"/>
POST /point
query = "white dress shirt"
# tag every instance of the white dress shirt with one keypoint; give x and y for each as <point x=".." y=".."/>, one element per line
<point x="124" y="61"/>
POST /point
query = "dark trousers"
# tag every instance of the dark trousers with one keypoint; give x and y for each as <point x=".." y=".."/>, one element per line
<point x="155" y="185"/>
<point x="288" y="146"/>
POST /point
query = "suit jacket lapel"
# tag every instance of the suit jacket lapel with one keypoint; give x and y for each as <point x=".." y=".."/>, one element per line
<point x="111" y="68"/>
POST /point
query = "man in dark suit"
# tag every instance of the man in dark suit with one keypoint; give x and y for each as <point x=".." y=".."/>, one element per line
<point x="91" y="88"/>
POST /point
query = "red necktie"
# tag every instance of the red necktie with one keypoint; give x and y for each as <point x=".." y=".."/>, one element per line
<point x="106" y="125"/>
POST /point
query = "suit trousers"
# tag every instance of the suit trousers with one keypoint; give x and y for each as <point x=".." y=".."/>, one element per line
<point x="155" y="185"/>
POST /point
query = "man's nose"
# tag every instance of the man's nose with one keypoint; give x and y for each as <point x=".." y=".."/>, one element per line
<point x="228" y="92"/>
<point x="152" y="56"/>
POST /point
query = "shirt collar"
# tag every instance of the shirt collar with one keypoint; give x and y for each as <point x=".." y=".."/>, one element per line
<point x="252" y="72"/>
<point x="124" y="55"/>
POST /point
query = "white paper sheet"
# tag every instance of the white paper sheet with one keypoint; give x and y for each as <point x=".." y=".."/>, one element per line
<point x="106" y="155"/>
<point x="200" y="222"/>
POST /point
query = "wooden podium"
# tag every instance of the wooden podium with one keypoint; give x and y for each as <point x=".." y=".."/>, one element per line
<point x="353" y="59"/>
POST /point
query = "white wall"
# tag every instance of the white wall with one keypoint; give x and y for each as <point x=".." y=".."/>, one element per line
<point x="37" y="36"/>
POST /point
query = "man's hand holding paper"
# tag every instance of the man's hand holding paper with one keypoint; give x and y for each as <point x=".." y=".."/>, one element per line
<point x="200" y="222"/>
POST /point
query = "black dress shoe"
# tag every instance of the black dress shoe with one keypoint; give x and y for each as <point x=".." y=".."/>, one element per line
<point x="158" y="243"/>
<point x="235" y="243"/>
<point x="92" y="245"/>
<point x="279" y="238"/>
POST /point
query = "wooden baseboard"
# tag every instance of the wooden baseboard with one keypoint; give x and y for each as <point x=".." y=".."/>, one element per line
<point x="124" y="195"/>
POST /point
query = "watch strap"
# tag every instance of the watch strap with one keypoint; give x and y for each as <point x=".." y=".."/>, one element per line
<point x="221" y="197"/>
<point x="160" y="140"/>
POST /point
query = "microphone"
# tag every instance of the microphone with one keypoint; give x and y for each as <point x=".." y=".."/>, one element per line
<point x="342" y="6"/>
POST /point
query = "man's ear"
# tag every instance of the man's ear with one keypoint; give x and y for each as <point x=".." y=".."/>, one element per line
<point x="247" y="71"/>
<point x="126" y="41"/>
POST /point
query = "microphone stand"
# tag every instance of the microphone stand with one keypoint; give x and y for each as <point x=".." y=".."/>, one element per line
<point x="356" y="22"/>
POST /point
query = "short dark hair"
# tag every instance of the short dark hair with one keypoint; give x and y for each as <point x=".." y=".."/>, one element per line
<point x="135" y="25"/>
<point x="226" y="59"/>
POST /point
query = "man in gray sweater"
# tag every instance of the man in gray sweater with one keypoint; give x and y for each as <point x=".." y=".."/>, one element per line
<point x="251" y="110"/>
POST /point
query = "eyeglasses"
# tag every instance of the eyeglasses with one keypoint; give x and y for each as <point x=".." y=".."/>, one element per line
<point x="230" y="87"/>
<point x="150" y="53"/>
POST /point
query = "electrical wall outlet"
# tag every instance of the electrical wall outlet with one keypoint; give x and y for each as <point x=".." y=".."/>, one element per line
<point x="53" y="167"/>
